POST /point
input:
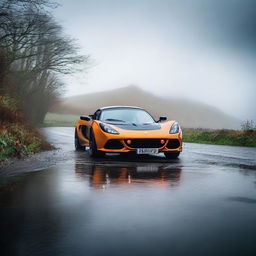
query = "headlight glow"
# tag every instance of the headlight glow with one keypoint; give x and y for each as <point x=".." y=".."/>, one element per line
<point x="175" y="128"/>
<point x="108" y="129"/>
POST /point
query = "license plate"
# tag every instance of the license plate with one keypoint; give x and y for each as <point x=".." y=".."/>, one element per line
<point x="141" y="151"/>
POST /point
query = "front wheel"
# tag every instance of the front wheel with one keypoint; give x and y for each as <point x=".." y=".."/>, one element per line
<point x="171" y="155"/>
<point x="93" y="151"/>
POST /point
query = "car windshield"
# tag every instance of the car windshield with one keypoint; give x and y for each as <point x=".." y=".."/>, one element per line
<point x="127" y="115"/>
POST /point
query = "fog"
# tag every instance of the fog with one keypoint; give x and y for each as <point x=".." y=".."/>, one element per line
<point x="201" y="50"/>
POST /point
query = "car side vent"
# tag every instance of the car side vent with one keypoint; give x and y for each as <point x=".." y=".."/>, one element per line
<point x="84" y="130"/>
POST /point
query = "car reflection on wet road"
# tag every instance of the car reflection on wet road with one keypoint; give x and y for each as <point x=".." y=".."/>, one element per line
<point x="201" y="204"/>
<point x="102" y="177"/>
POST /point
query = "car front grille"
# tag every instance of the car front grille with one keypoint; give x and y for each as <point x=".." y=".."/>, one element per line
<point x="145" y="143"/>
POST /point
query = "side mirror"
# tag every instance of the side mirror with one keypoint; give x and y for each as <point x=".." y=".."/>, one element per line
<point x="85" y="118"/>
<point x="162" y="118"/>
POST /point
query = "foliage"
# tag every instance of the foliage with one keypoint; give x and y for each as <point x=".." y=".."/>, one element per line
<point x="17" y="137"/>
<point x="220" y="137"/>
<point x="33" y="51"/>
<point x="248" y="125"/>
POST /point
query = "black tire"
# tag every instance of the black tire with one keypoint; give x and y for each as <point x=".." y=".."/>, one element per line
<point x="93" y="151"/>
<point x="171" y="155"/>
<point x="78" y="146"/>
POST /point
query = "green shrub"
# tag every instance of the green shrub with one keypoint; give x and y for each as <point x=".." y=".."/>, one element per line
<point x="17" y="136"/>
<point x="220" y="137"/>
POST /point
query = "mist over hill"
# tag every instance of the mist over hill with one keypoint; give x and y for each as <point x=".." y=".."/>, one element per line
<point x="190" y="114"/>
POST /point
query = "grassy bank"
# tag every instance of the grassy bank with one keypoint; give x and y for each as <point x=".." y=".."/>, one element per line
<point x="60" y="120"/>
<point x="17" y="137"/>
<point x="220" y="137"/>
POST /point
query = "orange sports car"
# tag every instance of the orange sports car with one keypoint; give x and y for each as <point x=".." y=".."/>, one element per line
<point x="123" y="129"/>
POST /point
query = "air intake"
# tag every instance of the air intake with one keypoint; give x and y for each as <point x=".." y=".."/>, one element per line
<point x="113" y="144"/>
<point x="173" y="143"/>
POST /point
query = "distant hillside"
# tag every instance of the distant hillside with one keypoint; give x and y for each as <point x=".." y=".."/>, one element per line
<point x="189" y="113"/>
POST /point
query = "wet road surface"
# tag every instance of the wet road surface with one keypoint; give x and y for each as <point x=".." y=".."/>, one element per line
<point x="201" y="204"/>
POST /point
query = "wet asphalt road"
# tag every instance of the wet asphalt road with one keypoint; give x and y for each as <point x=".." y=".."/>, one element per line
<point x="201" y="204"/>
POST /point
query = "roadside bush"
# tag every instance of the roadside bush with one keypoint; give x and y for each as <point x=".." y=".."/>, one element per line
<point x="248" y="126"/>
<point x="17" y="137"/>
<point x="221" y="137"/>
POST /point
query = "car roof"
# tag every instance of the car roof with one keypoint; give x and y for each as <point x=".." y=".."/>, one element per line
<point x="109" y="107"/>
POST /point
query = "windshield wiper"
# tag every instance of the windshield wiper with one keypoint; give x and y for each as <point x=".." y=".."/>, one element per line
<point x="115" y="120"/>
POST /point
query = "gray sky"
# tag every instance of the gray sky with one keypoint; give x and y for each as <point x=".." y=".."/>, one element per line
<point x="197" y="49"/>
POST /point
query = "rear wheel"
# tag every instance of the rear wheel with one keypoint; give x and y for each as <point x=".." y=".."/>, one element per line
<point x="78" y="146"/>
<point x="171" y="155"/>
<point x="93" y="151"/>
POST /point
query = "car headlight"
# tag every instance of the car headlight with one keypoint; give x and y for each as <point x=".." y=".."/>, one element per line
<point x="108" y="129"/>
<point x="175" y="128"/>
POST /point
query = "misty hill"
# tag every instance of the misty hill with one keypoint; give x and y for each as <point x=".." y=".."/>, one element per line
<point x="190" y="114"/>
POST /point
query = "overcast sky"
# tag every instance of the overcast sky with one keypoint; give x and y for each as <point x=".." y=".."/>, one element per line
<point x="197" y="49"/>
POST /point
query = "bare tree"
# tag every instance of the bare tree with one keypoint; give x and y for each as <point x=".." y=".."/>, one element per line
<point x="36" y="52"/>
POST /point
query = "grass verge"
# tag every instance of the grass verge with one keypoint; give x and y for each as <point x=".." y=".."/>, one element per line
<point x="221" y="137"/>
<point x="60" y="120"/>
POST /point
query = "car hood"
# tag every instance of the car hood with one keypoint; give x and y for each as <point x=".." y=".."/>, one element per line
<point x="136" y="126"/>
